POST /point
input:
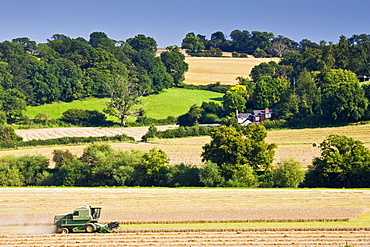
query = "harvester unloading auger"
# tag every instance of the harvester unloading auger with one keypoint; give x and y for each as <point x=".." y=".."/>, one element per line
<point x="83" y="219"/>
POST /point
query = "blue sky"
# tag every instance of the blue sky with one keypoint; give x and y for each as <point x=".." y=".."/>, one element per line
<point x="168" y="21"/>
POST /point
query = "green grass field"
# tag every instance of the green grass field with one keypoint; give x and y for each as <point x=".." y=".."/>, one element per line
<point x="170" y="102"/>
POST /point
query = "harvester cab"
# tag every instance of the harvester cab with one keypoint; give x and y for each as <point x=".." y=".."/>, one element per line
<point x="83" y="219"/>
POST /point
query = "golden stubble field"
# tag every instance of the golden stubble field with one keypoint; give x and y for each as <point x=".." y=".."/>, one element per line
<point x="206" y="70"/>
<point x="26" y="216"/>
<point x="290" y="143"/>
<point x="37" y="206"/>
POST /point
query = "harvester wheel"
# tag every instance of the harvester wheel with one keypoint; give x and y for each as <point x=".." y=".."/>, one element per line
<point x="65" y="231"/>
<point x="90" y="228"/>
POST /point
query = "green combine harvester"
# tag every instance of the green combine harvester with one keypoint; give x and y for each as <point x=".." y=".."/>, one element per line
<point x="83" y="219"/>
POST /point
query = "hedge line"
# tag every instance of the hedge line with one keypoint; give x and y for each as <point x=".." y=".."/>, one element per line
<point x="65" y="141"/>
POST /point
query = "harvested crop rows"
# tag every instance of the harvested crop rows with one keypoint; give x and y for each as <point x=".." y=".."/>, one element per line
<point x="36" y="206"/>
<point x="26" y="216"/>
<point x="291" y="143"/>
<point x="52" y="133"/>
<point x="193" y="238"/>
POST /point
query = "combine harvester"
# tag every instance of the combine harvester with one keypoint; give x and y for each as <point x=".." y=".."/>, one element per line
<point x="83" y="219"/>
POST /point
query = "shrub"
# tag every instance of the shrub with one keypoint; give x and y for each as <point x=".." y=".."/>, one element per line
<point x="184" y="132"/>
<point x="289" y="173"/>
<point x="8" y="136"/>
<point x="123" y="175"/>
<point x="84" y="117"/>
<point x="73" y="173"/>
<point x="10" y="176"/>
<point x="236" y="54"/>
<point x="29" y="167"/>
<point x="3" y="118"/>
<point x="152" y="132"/>
<point x="65" y="140"/>
<point x="242" y="176"/>
<point x="274" y="124"/>
<point x="42" y="118"/>
<point x="152" y="170"/>
<point x="214" y="87"/>
<point x="210" y="118"/>
<point x="210" y="175"/>
<point x="182" y="175"/>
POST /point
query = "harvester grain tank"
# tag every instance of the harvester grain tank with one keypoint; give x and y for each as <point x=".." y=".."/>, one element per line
<point x="83" y="219"/>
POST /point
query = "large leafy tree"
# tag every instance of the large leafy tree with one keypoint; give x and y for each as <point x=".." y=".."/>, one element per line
<point x="235" y="99"/>
<point x="124" y="99"/>
<point x="344" y="162"/>
<point x="268" y="91"/>
<point x="343" y="98"/>
<point x="13" y="104"/>
<point x="230" y="148"/>
<point x="192" y="43"/>
<point x="154" y="68"/>
<point x="175" y="64"/>
<point x="141" y="42"/>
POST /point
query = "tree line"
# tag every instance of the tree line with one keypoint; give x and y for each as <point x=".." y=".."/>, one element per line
<point x="67" y="69"/>
<point x="236" y="156"/>
<point x="312" y="85"/>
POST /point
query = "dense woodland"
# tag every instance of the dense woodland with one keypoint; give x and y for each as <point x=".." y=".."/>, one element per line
<point x="66" y="69"/>
<point x="312" y="85"/>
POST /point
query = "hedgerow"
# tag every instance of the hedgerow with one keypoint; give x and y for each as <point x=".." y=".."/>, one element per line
<point x="65" y="141"/>
<point x="178" y="132"/>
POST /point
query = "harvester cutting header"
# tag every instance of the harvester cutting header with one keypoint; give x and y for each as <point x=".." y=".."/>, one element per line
<point x="83" y="219"/>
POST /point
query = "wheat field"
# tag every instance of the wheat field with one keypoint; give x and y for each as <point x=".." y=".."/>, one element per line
<point x="296" y="143"/>
<point x="206" y="70"/>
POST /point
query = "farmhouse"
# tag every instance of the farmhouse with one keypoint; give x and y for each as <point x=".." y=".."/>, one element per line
<point x="363" y="78"/>
<point x="257" y="116"/>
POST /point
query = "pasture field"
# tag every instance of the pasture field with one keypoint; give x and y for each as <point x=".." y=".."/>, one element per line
<point x="191" y="217"/>
<point x="290" y="143"/>
<point x="170" y="102"/>
<point x="206" y="70"/>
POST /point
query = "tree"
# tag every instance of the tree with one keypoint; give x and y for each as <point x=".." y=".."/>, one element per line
<point x="343" y="98"/>
<point x="342" y="55"/>
<point x="96" y="38"/>
<point x="192" y="43"/>
<point x="191" y="117"/>
<point x="277" y="48"/>
<point x="289" y="173"/>
<point x="344" y="162"/>
<point x="230" y="148"/>
<point x="124" y="95"/>
<point x="263" y="69"/>
<point x="153" y="168"/>
<point x="210" y="175"/>
<point x="175" y="64"/>
<point x="30" y="166"/>
<point x="29" y="46"/>
<point x="154" y="69"/>
<point x="236" y="98"/>
<point x="268" y="91"/>
<point x="13" y="104"/>
<point x="141" y="42"/>
<point x="5" y="76"/>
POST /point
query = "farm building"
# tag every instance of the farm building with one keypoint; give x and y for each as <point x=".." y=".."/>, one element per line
<point x="363" y="78"/>
<point x="257" y="116"/>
